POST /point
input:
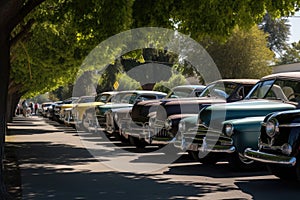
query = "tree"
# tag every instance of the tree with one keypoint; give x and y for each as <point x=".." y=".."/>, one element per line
<point x="291" y="54"/>
<point x="278" y="32"/>
<point x="244" y="55"/>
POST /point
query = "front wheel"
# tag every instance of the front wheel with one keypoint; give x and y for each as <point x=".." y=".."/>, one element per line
<point x="239" y="162"/>
<point x="138" y="143"/>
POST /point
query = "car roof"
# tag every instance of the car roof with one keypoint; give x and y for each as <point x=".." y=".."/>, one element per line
<point x="143" y="92"/>
<point x="295" y="75"/>
<point x="190" y="86"/>
<point x="242" y="81"/>
<point x="109" y="92"/>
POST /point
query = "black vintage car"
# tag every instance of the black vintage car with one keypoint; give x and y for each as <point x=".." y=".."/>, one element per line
<point x="279" y="144"/>
<point x="162" y="124"/>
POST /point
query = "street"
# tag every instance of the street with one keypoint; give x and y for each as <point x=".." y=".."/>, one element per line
<point x="55" y="164"/>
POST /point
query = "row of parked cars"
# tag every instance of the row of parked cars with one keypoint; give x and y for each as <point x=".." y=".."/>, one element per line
<point x="248" y="122"/>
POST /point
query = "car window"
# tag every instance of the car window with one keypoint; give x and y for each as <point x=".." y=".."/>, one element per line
<point x="103" y="98"/>
<point x="86" y="100"/>
<point x="145" y="97"/>
<point x="219" y="90"/>
<point x="279" y="89"/>
<point x="180" y="93"/>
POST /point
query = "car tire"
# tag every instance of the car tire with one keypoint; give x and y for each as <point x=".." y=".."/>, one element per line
<point x="138" y="143"/>
<point x="85" y="123"/>
<point x="121" y="138"/>
<point x="239" y="163"/>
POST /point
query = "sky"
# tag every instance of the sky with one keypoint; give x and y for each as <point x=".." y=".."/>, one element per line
<point x="295" y="28"/>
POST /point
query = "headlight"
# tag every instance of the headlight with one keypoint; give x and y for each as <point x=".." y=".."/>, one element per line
<point x="181" y="127"/>
<point x="272" y="127"/>
<point x="286" y="149"/>
<point x="228" y="129"/>
<point x="151" y="122"/>
<point x="168" y="124"/>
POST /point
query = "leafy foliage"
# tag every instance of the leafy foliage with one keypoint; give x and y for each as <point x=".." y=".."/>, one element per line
<point x="291" y="54"/>
<point x="244" y="55"/>
<point x="166" y="86"/>
<point x="278" y="32"/>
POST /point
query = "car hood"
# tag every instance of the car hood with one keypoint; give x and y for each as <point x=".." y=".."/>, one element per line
<point x="115" y="105"/>
<point x="199" y="100"/>
<point x="90" y="104"/>
<point x="241" y="109"/>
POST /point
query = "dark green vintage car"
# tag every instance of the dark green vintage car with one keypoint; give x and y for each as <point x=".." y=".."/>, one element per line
<point x="231" y="128"/>
<point x="279" y="144"/>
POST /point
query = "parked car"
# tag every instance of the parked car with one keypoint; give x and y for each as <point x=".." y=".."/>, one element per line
<point x="233" y="127"/>
<point x="279" y="144"/>
<point x="45" y="108"/>
<point x="51" y="110"/>
<point x="76" y="116"/>
<point x="161" y="125"/>
<point x="60" y="109"/>
<point x="123" y="99"/>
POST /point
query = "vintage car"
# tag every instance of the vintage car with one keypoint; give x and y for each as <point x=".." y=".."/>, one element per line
<point x="45" y="108"/>
<point x="123" y="99"/>
<point x="60" y="109"/>
<point x="231" y="128"/>
<point x="75" y="116"/>
<point x="279" y="143"/>
<point x="51" y="110"/>
<point x="124" y="116"/>
<point x="79" y="116"/>
<point x="161" y="125"/>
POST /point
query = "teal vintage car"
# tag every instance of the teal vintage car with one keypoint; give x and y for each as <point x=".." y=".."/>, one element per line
<point x="229" y="129"/>
<point x="123" y="99"/>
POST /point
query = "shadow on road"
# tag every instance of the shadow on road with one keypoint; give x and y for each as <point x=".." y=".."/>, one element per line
<point x="63" y="171"/>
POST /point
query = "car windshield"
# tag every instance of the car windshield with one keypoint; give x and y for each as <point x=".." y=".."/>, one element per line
<point x="123" y="97"/>
<point x="86" y="99"/>
<point x="220" y="90"/>
<point x="180" y="93"/>
<point x="103" y="98"/>
<point x="276" y="89"/>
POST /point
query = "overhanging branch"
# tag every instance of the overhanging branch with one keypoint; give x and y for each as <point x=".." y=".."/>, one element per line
<point x="24" y="11"/>
<point x="24" y="31"/>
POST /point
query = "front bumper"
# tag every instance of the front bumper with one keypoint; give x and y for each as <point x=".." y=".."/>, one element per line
<point x="134" y="129"/>
<point x="205" y="140"/>
<point x="269" y="158"/>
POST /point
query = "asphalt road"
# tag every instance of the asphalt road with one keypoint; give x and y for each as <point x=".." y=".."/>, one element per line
<point x="57" y="162"/>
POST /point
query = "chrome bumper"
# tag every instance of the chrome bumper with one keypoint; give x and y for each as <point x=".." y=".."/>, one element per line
<point x="269" y="158"/>
<point x="204" y="147"/>
<point x="130" y="128"/>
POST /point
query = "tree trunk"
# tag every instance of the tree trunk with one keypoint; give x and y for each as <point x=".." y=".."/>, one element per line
<point x="4" y="77"/>
<point x="12" y="102"/>
<point x="13" y="98"/>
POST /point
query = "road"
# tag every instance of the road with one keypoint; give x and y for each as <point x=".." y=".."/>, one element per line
<point x="57" y="162"/>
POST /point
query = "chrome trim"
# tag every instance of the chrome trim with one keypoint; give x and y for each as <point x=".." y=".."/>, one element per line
<point x="291" y="125"/>
<point x="269" y="158"/>
<point x="219" y="149"/>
